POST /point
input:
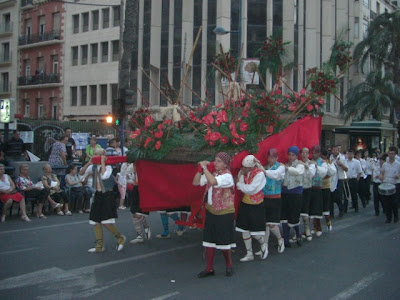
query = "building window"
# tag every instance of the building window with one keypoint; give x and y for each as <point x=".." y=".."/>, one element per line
<point x="114" y="91"/>
<point x="5" y="52"/>
<point x="106" y="17"/>
<point x="7" y="22"/>
<point x="75" y="23"/>
<point x="83" y="95"/>
<point x="104" y="52"/>
<point x="54" y="112"/>
<point x="94" y="49"/>
<point x="378" y="8"/>
<point x="27" y="63"/>
<point x="84" y="54"/>
<point x="74" y="96"/>
<point x="365" y="28"/>
<point x="75" y="56"/>
<point x="40" y="65"/>
<point x="42" y="25"/>
<point x="54" y="63"/>
<point x="356" y="27"/>
<point x="4" y="82"/>
<point x="56" y="22"/>
<point x="366" y="3"/>
<point x="93" y="95"/>
<point x="28" y="30"/>
<point x="115" y="50"/>
<point x="116" y="16"/>
<point x="27" y="109"/>
<point x="95" y="20"/>
<point x="40" y="108"/>
<point x="103" y="94"/>
<point x="85" y="22"/>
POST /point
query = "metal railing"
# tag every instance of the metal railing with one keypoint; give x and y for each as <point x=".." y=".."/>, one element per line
<point x="5" y="88"/>
<point x="39" y="79"/>
<point x="6" y="27"/>
<point x="37" y="38"/>
<point x="5" y="58"/>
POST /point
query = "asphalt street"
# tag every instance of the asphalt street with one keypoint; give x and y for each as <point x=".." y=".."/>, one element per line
<point x="48" y="259"/>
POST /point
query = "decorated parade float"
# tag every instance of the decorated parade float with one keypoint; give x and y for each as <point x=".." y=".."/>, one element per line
<point x="249" y="119"/>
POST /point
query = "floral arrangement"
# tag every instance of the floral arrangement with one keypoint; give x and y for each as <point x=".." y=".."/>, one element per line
<point x="322" y="81"/>
<point x="340" y="55"/>
<point x="226" y="61"/>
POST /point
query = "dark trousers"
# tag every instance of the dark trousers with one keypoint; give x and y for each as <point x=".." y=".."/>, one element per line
<point x="362" y="192"/>
<point x="377" y="199"/>
<point x="353" y="184"/>
<point x="368" y="188"/>
<point x="337" y="197"/>
<point x="391" y="207"/>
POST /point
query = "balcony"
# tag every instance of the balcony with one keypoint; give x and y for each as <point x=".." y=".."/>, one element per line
<point x="7" y="3"/>
<point x="39" y="81"/>
<point x="372" y="15"/>
<point x="49" y="37"/>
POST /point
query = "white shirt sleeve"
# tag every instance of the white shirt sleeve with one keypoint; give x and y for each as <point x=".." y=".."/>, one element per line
<point x="331" y="170"/>
<point x="224" y="181"/>
<point x="203" y="180"/>
<point x="255" y="186"/>
<point x="310" y="172"/>
<point x="107" y="173"/>
<point x="298" y="170"/>
<point x="322" y="170"/>
<point x="277" y="174"/>
<point x="358" y="168"/>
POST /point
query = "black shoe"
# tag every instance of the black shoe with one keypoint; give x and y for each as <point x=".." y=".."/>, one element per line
<point x="388" y="221"/>
<point x="395" y="220"/>
<point x="299" y="241"/>
<point x="341" y="213"/>
<point x="229" y="271"/>
<point x="356" y="210"/>
<point x="288" y="245"/>
<point x="205" y="273"/>
<point x="377" y="214"/>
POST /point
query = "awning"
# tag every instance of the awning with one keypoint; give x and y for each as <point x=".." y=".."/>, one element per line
<point x="370" y="127"/>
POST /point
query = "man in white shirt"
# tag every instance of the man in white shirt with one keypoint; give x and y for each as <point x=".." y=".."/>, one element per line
<point x="368" y="172"/>
<point x="338" y="195"/>
<point x="390" y="173"/>
<point x="376" y="172"/>
<point x="251" y="216"/>
<point x="353" y="174"/>
<point x="362" y="183"/>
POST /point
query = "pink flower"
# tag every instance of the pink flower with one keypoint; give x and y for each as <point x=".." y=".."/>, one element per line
<point x="222" y="116"/>
<point x="278" y="101"/>
<point x="135" y="134"/>
<point x="235" y="142"/>
<point x="245" y="113"/>
<point x="302" y="99"/>
<point x="310" y="107"/>
<point x="316" y="106"/>
<point x="208" y="120"/>
<point x="244" y="126"/>
<point x="158" y="145"/>
<point x="292" y="107"/>
<point x="303" y="91"/>
<point x="278" y="92"/>
<point x="211" y="143"/>
<point x="148" y="121"/>
<point x="321" y="101"/>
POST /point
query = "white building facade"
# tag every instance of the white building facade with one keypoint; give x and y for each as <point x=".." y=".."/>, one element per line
<point x="91" y="59"/>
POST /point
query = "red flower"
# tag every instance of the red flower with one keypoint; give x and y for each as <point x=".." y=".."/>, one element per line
<point x="147" y="141"/>
<point x="211" y="143"/>
<point x="316" y="106"/>
<point x="302" y="91"/>
<point x="321" y="101"/>
<point x="208" y="120"/>
<point x="235" y="142"/>
<point x="244" y="126"/>
<point x="278" y="92"/>
<point x="245" y="113"/>
<point x="310" y="107"/>
<point x="242" y="139"/>
<point x="292" y="107"/>
<point x="135" y="134"/>
<point x="224" y="140"/>
<point x="160" y="126"/>
<point x="158" y="145"/>
<point x="207" y="136"/>
<point x="159" y="134"/>
<point x="215" y="136"/>
<point x="270" y="129"/>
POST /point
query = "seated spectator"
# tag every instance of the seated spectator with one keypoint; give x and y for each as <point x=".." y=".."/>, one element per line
<point x="91" y="148"/>
<point x="127" y="145"/>
<point x="111" y="149"/>
<point x="86" y="176"/>
<point x="76" y="188"/>
<point x="15" y="149"/>
<point x="52" y="184"/>
<point x="58" y="155"/>
<point x="8" y="194"/>
<point x="70" y="146"/>
<point x="32" y="190"/>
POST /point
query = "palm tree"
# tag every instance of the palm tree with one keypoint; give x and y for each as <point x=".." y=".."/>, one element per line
<point x="382" y="43"/>
<point x="374" y="96"/>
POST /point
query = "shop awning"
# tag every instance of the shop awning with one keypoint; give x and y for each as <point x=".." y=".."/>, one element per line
<point x="365" y="127"/>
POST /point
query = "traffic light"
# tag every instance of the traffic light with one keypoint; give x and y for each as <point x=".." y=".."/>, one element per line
<point x="117" y="122"/>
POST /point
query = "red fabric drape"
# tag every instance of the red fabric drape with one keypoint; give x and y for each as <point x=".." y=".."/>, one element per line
<point x="164" y="186"/>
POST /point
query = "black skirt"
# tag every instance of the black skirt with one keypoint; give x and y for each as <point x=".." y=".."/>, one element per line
<point x="219" y="231"/>
<point x="251" y="218"/>
<point x="104" y="207"/>
<point x="135" y="206"/>
<point x="291" y="207"/>
<point x="316" y="204"/>
<point x="273" y="207"/>
<point x="305" y="208"/>
<point x="326" y="202"/>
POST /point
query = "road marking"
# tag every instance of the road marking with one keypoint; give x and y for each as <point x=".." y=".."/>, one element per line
<point x="17" y="251"/>
<point x="45" y="276"/>
<point x="358" y="286"/>
<point x="166" y="296"/>
<point x="44" y="227"/>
